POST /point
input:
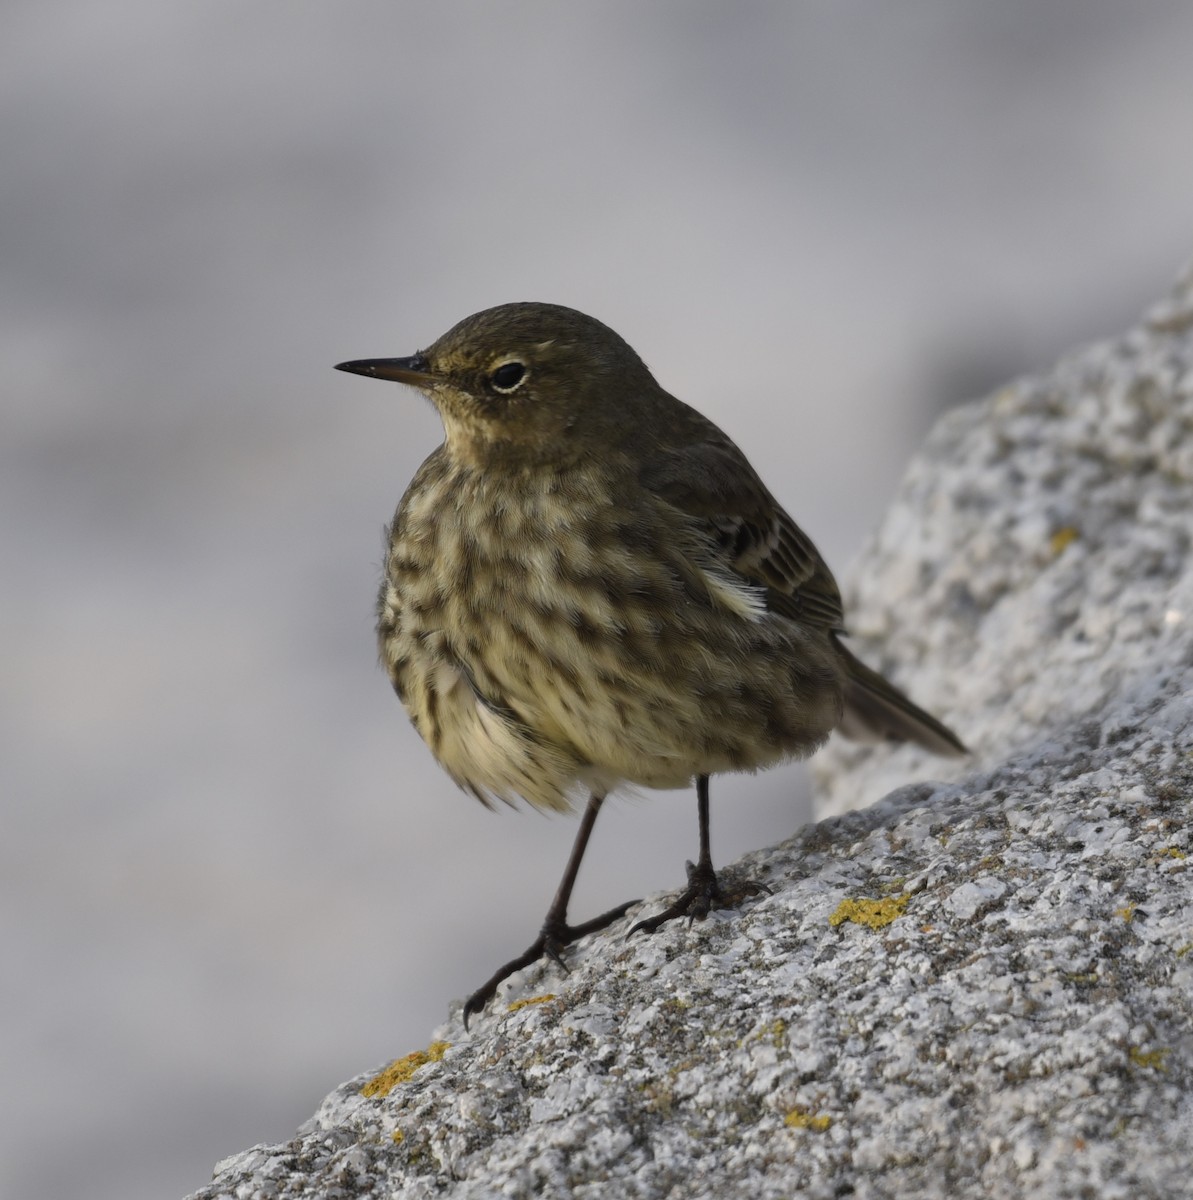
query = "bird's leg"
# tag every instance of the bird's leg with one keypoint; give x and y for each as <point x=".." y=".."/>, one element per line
<point x="556" y="933"/>
<point x="703" y="892"/>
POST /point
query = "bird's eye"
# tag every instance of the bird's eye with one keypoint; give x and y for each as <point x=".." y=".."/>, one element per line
<point x="507" y="376"/>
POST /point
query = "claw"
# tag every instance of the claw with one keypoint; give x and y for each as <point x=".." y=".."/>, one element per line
<point x="550" y="943"/>
<point x="699" y="898"/>
<point x="695" y="901"/>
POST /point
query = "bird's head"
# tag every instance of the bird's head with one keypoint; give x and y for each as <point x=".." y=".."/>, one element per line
<point x="525" y="382"/>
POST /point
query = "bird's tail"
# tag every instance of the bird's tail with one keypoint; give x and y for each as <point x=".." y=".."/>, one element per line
<point x="875" y="710"/>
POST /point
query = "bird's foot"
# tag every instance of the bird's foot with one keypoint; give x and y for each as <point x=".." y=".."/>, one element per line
<point x="700" y="897"/>
<point x="554" y="937"/>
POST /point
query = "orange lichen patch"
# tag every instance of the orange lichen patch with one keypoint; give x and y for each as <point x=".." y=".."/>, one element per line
<point x="401" y="1069"/>
<point x="799" y="1118"/>
<point x="1152" y="1059"/>
<point x="1065" y="536"/>
<point x="545" y="998"/>
<point x="873" y="914"/>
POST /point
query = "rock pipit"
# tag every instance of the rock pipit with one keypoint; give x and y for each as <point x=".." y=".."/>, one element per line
<point x="587" y="585"/>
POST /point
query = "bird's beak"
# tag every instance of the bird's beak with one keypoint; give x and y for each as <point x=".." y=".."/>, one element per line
<point x="415" y="370"/>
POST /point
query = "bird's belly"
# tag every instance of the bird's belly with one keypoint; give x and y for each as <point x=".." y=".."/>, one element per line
<point x="659" y="715"/>
<point x="529" y="704"/>
<point x="542" y="659"/>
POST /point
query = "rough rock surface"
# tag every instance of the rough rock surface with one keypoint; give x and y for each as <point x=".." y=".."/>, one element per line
<point x="977" y="988"/>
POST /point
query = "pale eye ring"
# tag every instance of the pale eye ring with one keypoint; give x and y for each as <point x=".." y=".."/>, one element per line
<point x="507" y="376"/>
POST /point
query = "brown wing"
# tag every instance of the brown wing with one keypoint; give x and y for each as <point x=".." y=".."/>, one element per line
<point x="712" y="480"/>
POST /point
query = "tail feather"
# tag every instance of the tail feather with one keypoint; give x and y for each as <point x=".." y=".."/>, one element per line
<point x="875" y="710"/>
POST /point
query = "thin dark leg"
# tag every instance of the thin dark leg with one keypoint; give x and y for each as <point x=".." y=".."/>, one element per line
<point x="702" y="816"/>
<point x="556" y="932"/>
<point x="557" y="913"/>
<point x="703" y="891"/>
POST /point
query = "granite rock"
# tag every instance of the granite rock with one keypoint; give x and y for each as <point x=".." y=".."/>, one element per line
<point x="980" y="986"/>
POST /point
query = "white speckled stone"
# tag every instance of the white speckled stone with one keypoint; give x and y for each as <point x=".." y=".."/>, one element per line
<point x="1023" y="1025"/>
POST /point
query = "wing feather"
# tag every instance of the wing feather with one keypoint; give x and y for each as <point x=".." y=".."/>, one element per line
<point x="711" y="479"/>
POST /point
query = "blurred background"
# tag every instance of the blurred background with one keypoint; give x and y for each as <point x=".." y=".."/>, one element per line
<point x="231" y="875"/>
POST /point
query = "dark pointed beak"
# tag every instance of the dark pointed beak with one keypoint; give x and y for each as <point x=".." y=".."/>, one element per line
<point x="414" y="370"/>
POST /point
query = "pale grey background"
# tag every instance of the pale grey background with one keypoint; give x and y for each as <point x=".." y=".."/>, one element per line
<point x="231" y="874"/>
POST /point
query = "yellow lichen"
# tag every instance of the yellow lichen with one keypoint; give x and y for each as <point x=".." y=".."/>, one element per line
<point x="873" y="914"/>
<point x="1152" y="1059"/>
<point x="1065" y="536"/>
<point x="398" y="1137"/>
<point x="1173" y="852"/>
<point x="1181" y="951"/>
<point x="1085" y="978"/>
<point x="800" y="1118"/>
<point x="1127" y="912"/>
<point x="778" y="1031"/>
<point x="401" y="1069"/>
<point x="526" y="1002"/>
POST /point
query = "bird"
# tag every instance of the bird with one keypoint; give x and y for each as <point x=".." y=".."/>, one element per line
<point x="587" y="586"/>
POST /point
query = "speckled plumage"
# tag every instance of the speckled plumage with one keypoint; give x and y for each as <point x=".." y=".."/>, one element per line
<point x="588" y="585"/>
<point x="569" y="628"/>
